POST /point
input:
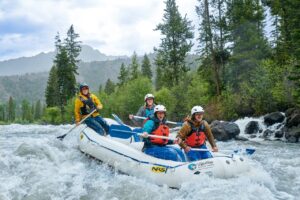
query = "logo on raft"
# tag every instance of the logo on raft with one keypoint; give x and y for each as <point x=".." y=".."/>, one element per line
<point x="81" y="136"/>
<point x="201" y="165"/>
<point x="158" y="169"/>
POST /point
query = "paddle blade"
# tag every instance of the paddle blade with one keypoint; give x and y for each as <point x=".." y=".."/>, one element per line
<point x="250" y="151"/>
<point x="61" y="137"/>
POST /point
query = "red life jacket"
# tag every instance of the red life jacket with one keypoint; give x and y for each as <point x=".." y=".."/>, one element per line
<point x="162" y="130"/>
<point x="196" y="137"/>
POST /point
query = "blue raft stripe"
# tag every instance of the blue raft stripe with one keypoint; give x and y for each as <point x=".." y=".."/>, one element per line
<point x="136" y="160"/>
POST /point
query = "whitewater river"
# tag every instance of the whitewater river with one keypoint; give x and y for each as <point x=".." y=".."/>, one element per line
<point x="35" y="165"/>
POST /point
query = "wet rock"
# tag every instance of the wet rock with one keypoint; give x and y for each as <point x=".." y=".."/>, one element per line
<point x="272" y="118"/>
<point x="293" y="134"/>
<point x="267" y="133"/>
<point x="252" y="127"/>
<point x="252" y="136"/>
<point x="279" y="134"/>
<point x="223" y="130"/>
<point x="293" y="119"/>
<point x="241" y="138"/>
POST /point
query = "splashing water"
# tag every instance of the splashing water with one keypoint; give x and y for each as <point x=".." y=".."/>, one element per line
<point x="36" y="165"/>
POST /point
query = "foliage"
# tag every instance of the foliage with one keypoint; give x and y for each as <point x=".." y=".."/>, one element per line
<point x="175" y="44"/>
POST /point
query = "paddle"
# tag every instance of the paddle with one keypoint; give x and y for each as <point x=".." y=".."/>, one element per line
<point x="248" y="151"/>
<point x="76" y="125"/>
<point x="115" y="130"/>
<point x="168" y="122"/>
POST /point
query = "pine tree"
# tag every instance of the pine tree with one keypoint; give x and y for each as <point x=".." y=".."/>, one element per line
<point x="38" y="110"/>
<point x="123" y="75"/>
<point x="109" y="87"/>
<point x="175" y="45"/>
<point x="2" y="112"/>
<point x="52" y="90"/>
<point x="65" y="79"/>
<point x="134" y="67"/>
<point x="73" y="48"/>
<point x="26" y="111"/>
<point x="249" y="46"/>
<point x="212" y="39"/>
<point x="11" y="110"/>
<point x="146" y="67"/>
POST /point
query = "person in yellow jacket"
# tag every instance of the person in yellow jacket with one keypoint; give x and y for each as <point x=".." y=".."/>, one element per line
<point x="85" y="103"/>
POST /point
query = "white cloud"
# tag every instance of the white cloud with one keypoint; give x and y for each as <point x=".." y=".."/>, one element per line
<point x="115" y="27"/>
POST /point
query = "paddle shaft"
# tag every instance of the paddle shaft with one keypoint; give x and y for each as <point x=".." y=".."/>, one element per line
<point x="76" y="125"/>
<point x="149" y="135"/>
<point x="169" y="122"/>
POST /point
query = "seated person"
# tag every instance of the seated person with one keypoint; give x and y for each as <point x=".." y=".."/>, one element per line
<point x="156" y="125"/>
<point x="193" y="134"/>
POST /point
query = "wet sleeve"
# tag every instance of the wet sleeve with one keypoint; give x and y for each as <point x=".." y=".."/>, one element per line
<point x="182" y="134"/>
<point x="77" y="110"/>
<point x="148" y="126"/>
<point x="97" y="101"/>
<point x="209" y="135"/>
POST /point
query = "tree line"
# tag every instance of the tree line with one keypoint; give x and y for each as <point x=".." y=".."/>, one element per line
<point x="241" y="70"/>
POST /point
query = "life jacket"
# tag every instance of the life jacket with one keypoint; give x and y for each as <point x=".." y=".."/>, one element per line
<point x="88" y="105"/>
<point x="161" y="129"/>
<point x="196" y="137"/>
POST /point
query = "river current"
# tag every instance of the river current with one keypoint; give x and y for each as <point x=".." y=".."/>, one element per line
<point x="34" y="165"/>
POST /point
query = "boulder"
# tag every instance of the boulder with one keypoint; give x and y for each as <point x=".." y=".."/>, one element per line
<point x="267" y="133"/>
<point x="252" y="127"/>
<point x="241" y="138"/>
<point x="293" y="134"/>
<point x="223" y="130"/>
<point x="279" y="134"/>
<point x="272" y="118"/>
<point x="293" y="119"/>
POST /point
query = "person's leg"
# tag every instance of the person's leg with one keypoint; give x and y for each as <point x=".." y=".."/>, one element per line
<point x="103" y="123"/>
<point x="205" y="154"/>
<point x="93" y="124"/>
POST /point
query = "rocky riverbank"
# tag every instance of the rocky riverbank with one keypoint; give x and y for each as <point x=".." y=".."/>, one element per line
<point x="274" y="126"/>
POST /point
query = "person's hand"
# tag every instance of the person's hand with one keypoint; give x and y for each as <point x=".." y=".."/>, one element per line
<point x="77" y="123"/>
<point x="215" y="149"/>
<point x="187" y="149"/>
<point x="99" y="107"/>
<point x="144" y="135"/>
<point x="130" y="116"/>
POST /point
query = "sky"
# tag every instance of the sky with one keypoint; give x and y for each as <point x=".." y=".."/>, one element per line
<point x="114" y="27"/>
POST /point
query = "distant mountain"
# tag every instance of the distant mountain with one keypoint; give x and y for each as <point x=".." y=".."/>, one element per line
<point x="32" y="86"/>
<point x="44" y="61"/>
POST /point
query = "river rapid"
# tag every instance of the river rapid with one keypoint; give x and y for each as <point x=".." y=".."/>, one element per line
<point x="34" y="165"/>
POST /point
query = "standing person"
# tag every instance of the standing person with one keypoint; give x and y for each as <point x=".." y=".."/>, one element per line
<point x="194" y="133"/>
<point x="146" y="110"/>
<point x="156" y="125"/>
<point x="85" y="103"/>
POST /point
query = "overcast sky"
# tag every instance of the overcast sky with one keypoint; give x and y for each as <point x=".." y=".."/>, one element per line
<point x="115" y="27"/>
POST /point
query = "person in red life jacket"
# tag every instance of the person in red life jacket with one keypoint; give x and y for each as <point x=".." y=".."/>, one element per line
<point x="85" y="103"/>
<point x="156" y="125"/>
<point x="194" y="133"/>
<point x="146" y="110"/>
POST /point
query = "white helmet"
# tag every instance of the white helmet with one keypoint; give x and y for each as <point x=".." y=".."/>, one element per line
<point x="197" y="109"/>
<point x="160" y="108"/>
<point x="148" y="96"/>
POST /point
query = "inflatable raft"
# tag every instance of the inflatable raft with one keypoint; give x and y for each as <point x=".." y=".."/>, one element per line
<point x="124" y="153"/>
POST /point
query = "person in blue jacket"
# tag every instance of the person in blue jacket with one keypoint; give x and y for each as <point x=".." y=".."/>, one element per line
<point x="156" y="137"/>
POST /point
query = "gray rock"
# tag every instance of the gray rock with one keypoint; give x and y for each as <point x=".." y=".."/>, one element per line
<point x="252" y="127"/>
<point x="279" y="134"/>
<point x="267" y="133"/>
<point x="241" y="138"/>
<point x="224" y="131"/>
<point x="293" y="120"/>
<point x="293" y="134"/>
<point x="252" y="136"/>
<point x="272" y="118"/>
